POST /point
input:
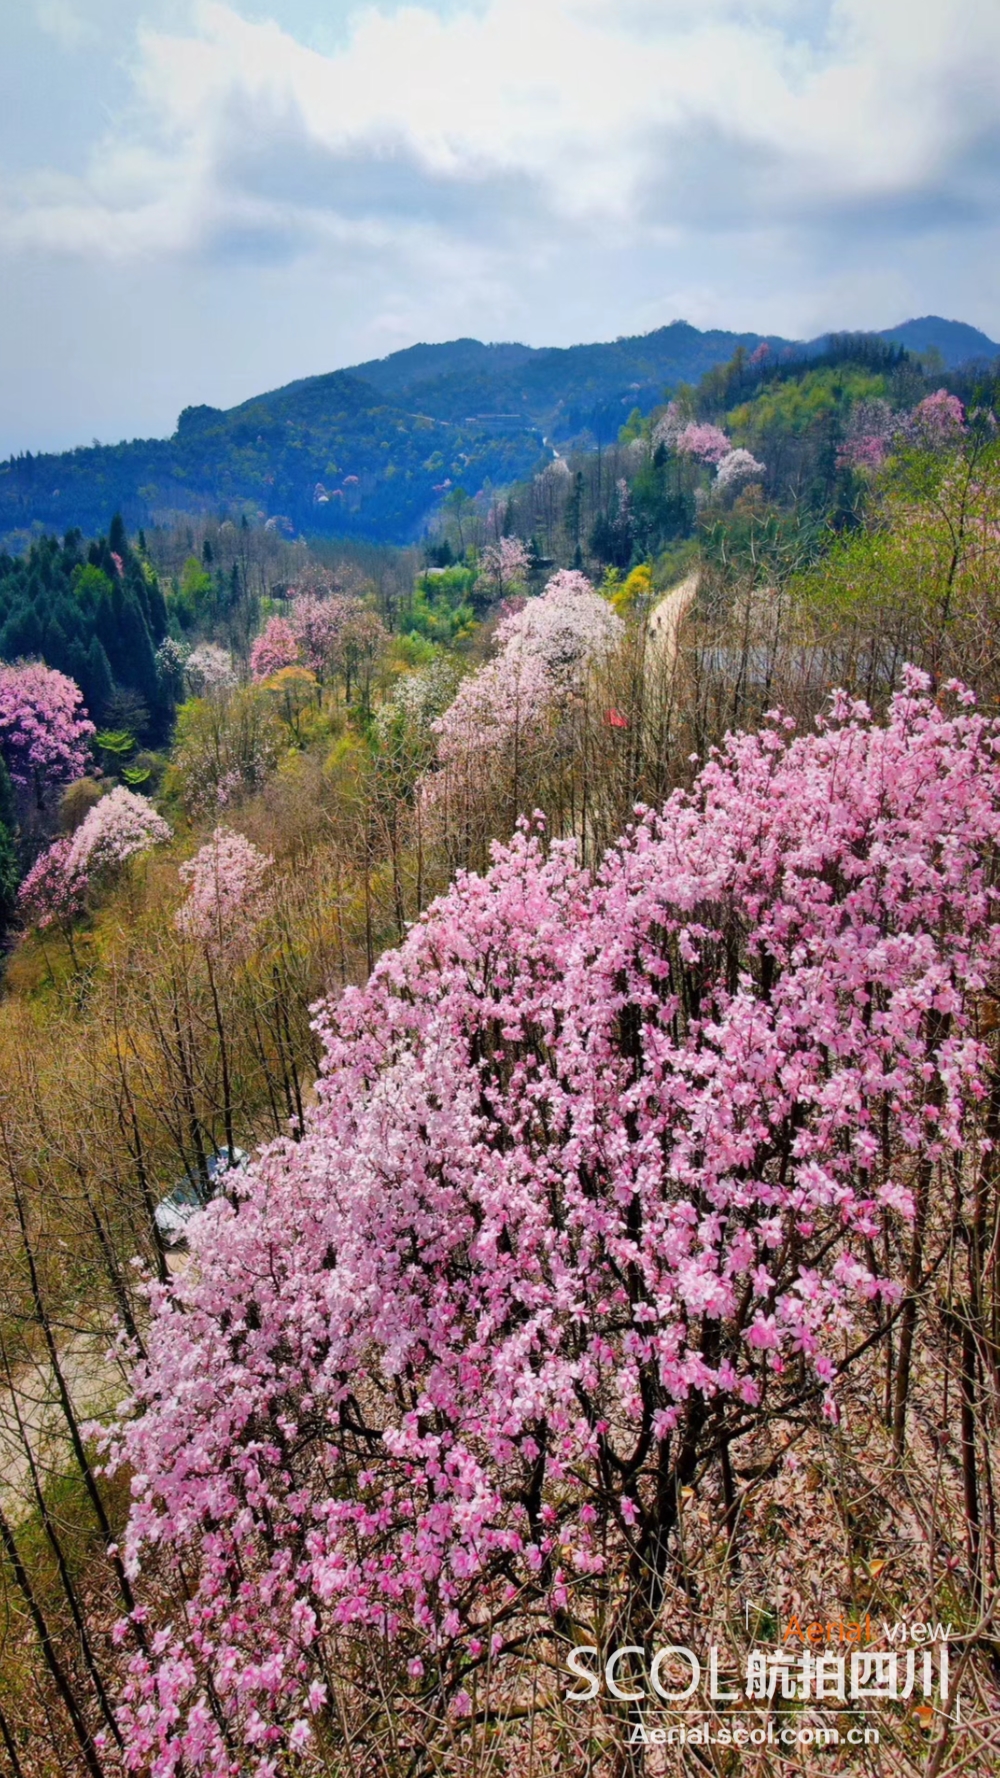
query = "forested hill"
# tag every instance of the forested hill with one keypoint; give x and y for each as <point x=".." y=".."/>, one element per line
<point x="565" y="391"/>
<point x="373" y="451"/>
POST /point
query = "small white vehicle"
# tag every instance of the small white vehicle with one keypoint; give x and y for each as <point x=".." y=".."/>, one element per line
<point x="174" y="1212"/>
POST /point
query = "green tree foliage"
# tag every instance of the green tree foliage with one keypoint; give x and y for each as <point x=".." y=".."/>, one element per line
<point x="919" y="579"/>
<point x="663" y="506"/>
<point x="97" y="614"/>
<point x="442" y="609"/>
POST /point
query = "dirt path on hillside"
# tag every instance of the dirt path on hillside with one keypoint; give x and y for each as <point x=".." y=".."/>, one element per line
<point x="667" y="615"/>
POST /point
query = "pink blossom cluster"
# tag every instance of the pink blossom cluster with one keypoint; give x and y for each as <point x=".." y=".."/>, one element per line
<point x="330" y="630"/>
<point x="325" y="633"/>
<point x="44" y="730"/>
<point x="865" y="450"/>
<point x="275" y="647"/>
<point x="318" y="627"/>
<point x="568" y="626"/>
<point x="870" y="431"/>
<point x="54" y="892"/>
<point x="937" y="421"/>
<point x="494" y="705"/>
<point x="544" y="645"/>
<point x="703" y="440"/>
<point x="598" y="1167"/>
<point x="505" y="563"/>
<point x="118" y="827"/>
<point x="874" y="429"/>
<point x="225" y="881"/>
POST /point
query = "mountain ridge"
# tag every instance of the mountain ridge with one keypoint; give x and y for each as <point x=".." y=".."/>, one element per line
<point x="371" y="449"/>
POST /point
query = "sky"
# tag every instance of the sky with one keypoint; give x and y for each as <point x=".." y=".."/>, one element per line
<point x="204" y="199"/>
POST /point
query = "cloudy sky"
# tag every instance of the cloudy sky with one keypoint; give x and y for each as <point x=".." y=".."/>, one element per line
<point x="201" y="199"/>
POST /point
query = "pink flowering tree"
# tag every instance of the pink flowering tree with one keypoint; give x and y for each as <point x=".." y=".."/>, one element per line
<point x="318" y="624"/>
<point x="868" y="439"/>
<point x="54" y="892"/>
<point x="703" y="440"/>
<point x="225" y="898"/>
<point x="276" y="647"/>
<point x="503" y="716"/>
<point x="322" y="627"/>
<point x="602" y="1173"/>
<point x="492" y="708"/>
<point x="44" y="729"/>
<point x="504" y="565"/>
<point x="937" y="422"/>
<point x="565" y="629"/>
<point x="116" y="829"/>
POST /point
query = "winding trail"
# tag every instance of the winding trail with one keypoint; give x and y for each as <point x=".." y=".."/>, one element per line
<point x="668" y="614"/>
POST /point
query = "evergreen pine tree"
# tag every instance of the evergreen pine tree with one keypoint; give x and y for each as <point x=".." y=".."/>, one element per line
<point x="97" y="683"/>
<point x="157" y="604"/>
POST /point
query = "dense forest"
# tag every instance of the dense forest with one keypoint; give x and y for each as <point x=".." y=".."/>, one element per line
<point x="499" y="1098"/>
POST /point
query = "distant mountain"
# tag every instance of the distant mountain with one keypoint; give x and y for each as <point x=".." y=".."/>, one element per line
<point x="330" y="453"/>
<point x="561" y="390"/>
<point x="957" y="342"/>
<point x="372" y="451"/>
<point x="369" y="451"/>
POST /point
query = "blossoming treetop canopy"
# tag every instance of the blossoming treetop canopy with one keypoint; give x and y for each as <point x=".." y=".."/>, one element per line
<point x="597" y="1179"/>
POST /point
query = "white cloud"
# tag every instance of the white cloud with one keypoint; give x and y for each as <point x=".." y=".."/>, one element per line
<point x="615" y="114"/>
<point x="544" y="169"/>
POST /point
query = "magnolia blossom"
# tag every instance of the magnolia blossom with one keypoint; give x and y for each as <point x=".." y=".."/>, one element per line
<point x="602" y="1173"/>
<point x="871" y="429"/>
<point x="874" y="429"/>
<point x="937" y="421"/>
<point x="505" y="564"/>
<point x="210" y="668"/>
<point x="669" y="427"/>
<point x="492" y="706"/>
<point x="44" y="731"/>
<point x="703" y="440"/>
<point x="544" y="645"/>
<point x="275" y="647"/>
<point x="318" y="625"/>
<point x="736" y="469"/>
<point x="115" y="829"/>
<point x="335" y="633"/>
<point x="54" y="890"/>
<point x="226" y="878"/>
<point x="567" y="627"/>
